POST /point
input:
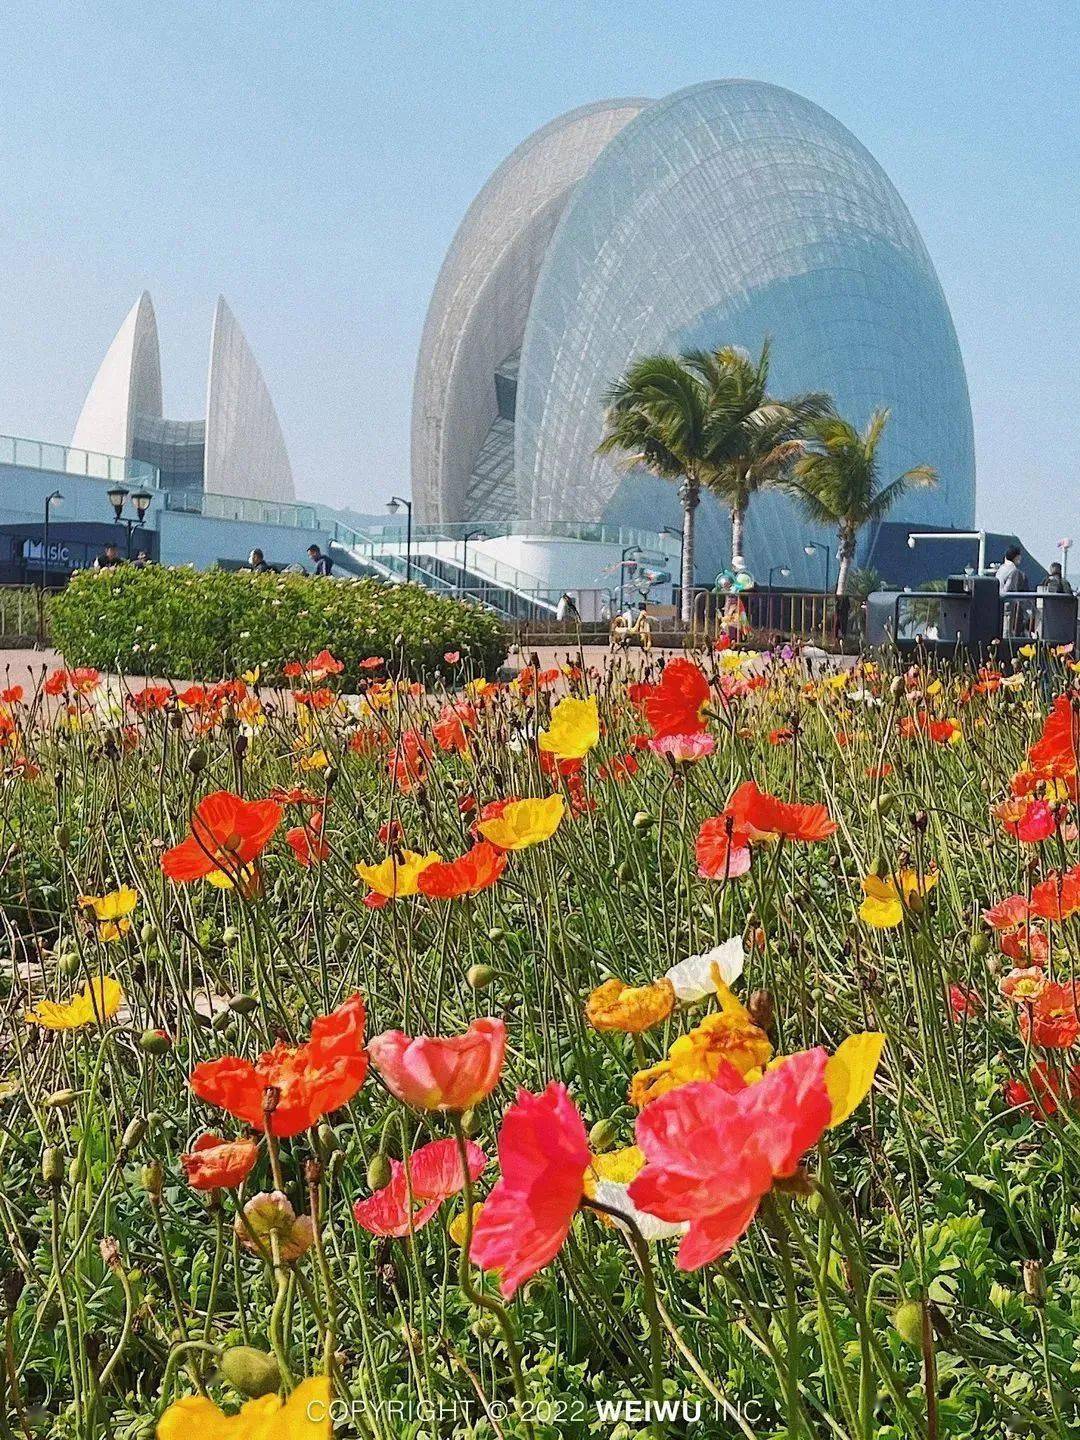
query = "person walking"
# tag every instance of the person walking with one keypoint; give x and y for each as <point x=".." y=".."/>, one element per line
<point x="322" y="563"/>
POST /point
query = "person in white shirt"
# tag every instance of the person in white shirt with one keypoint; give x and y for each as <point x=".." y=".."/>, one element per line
<point x="1008" y="572"/>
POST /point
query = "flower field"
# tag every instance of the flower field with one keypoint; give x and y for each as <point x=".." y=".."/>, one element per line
<point x="686" y="1050"/>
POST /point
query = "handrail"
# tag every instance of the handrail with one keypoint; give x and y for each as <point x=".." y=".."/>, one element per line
<point x="71" y="460"/>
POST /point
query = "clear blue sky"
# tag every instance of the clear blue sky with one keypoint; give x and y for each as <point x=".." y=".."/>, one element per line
<point x="311" y="160"/>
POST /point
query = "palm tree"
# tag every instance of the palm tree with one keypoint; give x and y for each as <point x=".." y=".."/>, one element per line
<point x="656" y="417"/>
<point x="837" y="481"/>
<point x="750" y="437"/>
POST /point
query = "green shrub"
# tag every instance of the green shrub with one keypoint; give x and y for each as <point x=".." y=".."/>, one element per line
<point x="208" y="624"/>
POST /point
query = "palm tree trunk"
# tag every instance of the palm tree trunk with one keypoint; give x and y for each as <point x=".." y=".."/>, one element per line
<point x="738" y="523"/>
<point x="845" y="554"/>
<point x="690" y="495"/>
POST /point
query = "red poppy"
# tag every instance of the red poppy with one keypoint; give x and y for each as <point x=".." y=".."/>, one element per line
<point x="1027" y="944"/>
<point x="434" y="1174"/>
<point x="470" y="873"/>
<point x="781" y="737"/>
<point x="1052" y="1020"/>
<point x="1054" y="753"/>
<point x="12" y="696"/>
<point x="150" y="699"/>
<point x="407" y="766"/>
<point x="452" y="657"/>
<point x="619" y="767"/>
<point x="1039" y="1096"/>
<point x="450" y="728"/>
<point x="291" y="669"/>
<point x="310" y="1080"/>
<point x="1058" y="896"/>
<point x="1006" y="913"/>
<point x="543" y="1155"/>
<point x="714" y="1149"/>
<point x="941" y="732"/>
<point x="294" y="795"/>
<point x="364" y="742"/>
<point x="391" y="834"/>
<point x="1029" y="821"/>
<point x="765" y="816"/>
<point x="373" y="662"/>
<point x="227" y="834"/>
<point x="677" y="705"/>
<point x="216" y="1164"/>
<point x="306" y="841"/>
<point x="878" y="772"/>
<point x="320" y="699"/>
<point x="323" y="664"/>
<point x="963" y="1000"/>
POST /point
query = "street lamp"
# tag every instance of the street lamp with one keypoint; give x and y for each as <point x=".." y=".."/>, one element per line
<point x="1065" y="545"/>
<point x="812" y="550"/>
<point x="55" y="498"/>
<point x="472" y="535"/>
<point x="632" y="553"/>
<point x="393" y="505"/>
<point x="118" y="494"/>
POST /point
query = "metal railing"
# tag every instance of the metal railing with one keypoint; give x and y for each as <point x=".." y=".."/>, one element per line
<point x="69" y="460"/>
<point x="284" y="513"/>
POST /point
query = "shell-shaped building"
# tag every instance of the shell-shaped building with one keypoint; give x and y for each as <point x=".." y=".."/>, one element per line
<point x="731" y="211"/>
<point x="237" y="448"/>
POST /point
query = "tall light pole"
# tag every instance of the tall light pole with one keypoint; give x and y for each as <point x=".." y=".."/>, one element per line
<point x="1065" y="545"/>
<point x="55" y="498"/>
<point x="472" y="535"/>
<point x="393" y="505"/>
<point x="813" y="549"/>
<point x="670" y="530"/>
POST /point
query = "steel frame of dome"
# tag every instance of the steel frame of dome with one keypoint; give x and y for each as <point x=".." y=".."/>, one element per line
<point x="727" y="212"/>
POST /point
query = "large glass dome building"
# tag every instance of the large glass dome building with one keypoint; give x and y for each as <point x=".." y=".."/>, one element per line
<point x="728" y="212"/>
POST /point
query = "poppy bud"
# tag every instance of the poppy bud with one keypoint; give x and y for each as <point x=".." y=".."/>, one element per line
<point x="326" y="1138"/>
<point x="196" y="761"/>
<point x="378" y="1172"/>
<point x="1035" y="1282"/>
<point x="602" y="1135"/>
<point x="624" y="871"/>
<point x="761" y="1009"/>
<point x="222" y="1022"/>
<point x="155" y="1042"/>
<point x="135" y="1131"/>
<point x="483" y="1327"/>
<point x="243" y="1004"/>
<point x="68" y="962"/>
<point x="908" y="1323"/>
<point x="230" y="935"/>
<point x="62" y="836"/>
<point x="340" y="944"/>
<point x="920" y="820"/>
<point x="151" y="1178"/>
<point x="479" y="977"/>
<point x="642" y="820"/>
<point x="470" y="1123"/>
<point x="979" y="944"/>
<point x="883" y="804"/>
<point x="253" y="1373"/>
<point x="329" y="775"/>
<point x="77" y="1170"/>
<point x="52" y="1166"/>
<point x="896" y="687"/>
<point x="110" y="1252"/>
<point x="496" y="933"/>
<point x="240" y="746"/>
<point x="61" y="1099"/>
<point x="149" y="934"/>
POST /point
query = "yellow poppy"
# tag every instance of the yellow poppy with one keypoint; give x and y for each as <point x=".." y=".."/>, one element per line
<point x="305" y="1415"/>
<point x="245" y="880"/>
<point x="111" y="912"/>
<point x="524" y="823"/>
<point x="456" y="1228"/>
<point x="885" y="900"/>
<point x="316" y="761"/>
<point x="1027" y="651"/>
<point x="618" y="1166"/>
<point x="729" y="1035"/>
<point x="397" y="875"/>
<point x="615" y="1005"/>
<point x="574" y="729"/>
<point x="850" y="1071"/>
<point x="96" y="1002"/>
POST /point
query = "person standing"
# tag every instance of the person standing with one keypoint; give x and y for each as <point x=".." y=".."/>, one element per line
<point x="1011" y="579"/>
<point x="1055" y="582"/>
<point x="257" y="563"/>
<point x="322" y="563"/>
<point x="109" y="557"/>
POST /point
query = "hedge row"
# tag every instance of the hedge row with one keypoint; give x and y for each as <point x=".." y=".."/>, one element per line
<point x="211" y="624"/>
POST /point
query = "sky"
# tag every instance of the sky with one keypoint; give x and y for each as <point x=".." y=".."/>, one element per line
<point x="311" y="161"/>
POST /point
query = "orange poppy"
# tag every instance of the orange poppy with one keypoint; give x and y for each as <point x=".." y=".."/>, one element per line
<point x="1052" y="1021"/>
<point x="1058" y="896"/>
<point x="216" y="1164"/>
<point x="1054" y="753"/>
<point x="306" y="841"/>
<point x="310" y="1080"/>
<point x="476" y="870"/>
<point x="227" y="834"/>
<point x="764" y="816"/>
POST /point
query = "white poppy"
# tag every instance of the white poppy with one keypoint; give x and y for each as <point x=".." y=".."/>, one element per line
<point x="610" y="1192"/>
<point x="695" y="977"/>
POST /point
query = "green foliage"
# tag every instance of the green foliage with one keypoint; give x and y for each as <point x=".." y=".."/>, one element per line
<point x="214" y="623"/>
